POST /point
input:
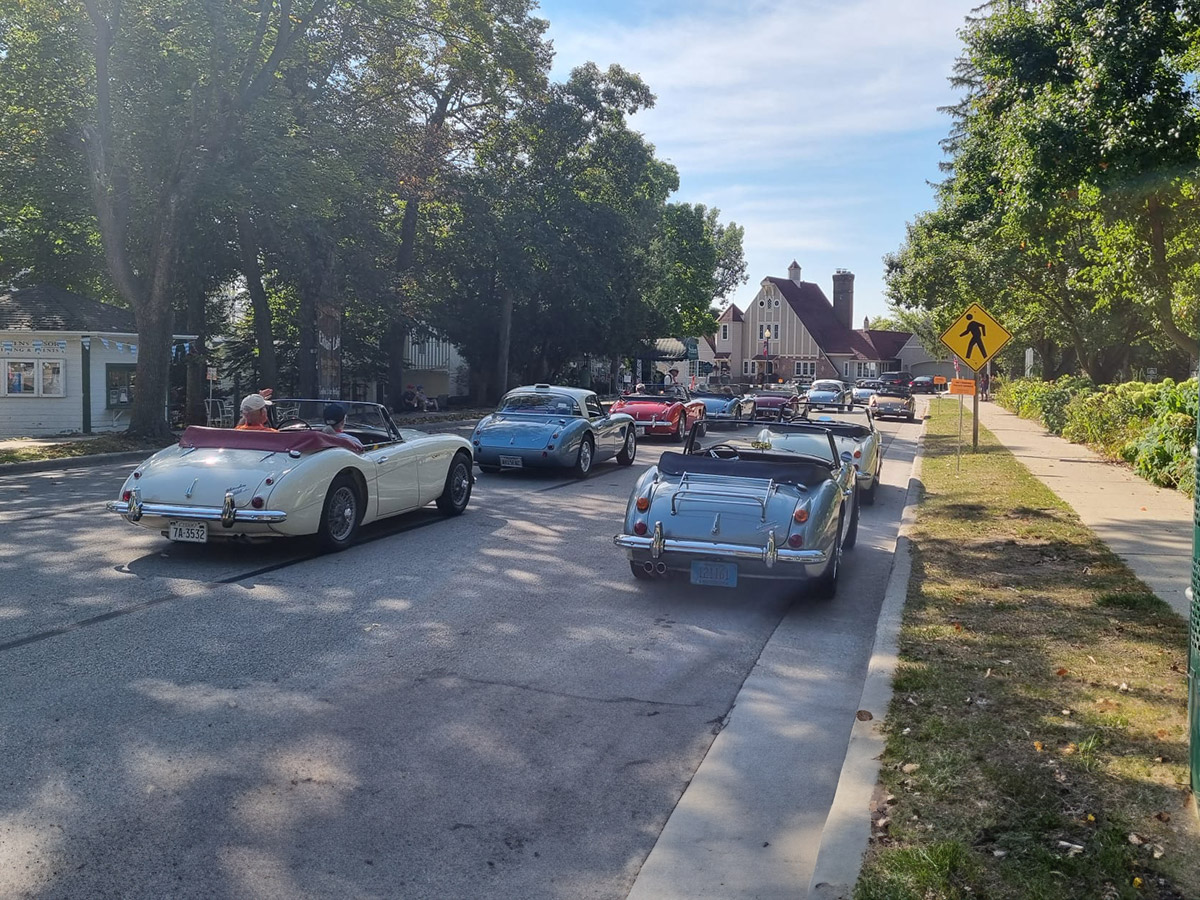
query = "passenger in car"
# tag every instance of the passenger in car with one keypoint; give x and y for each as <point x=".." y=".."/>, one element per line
<point x="335" y="421"/>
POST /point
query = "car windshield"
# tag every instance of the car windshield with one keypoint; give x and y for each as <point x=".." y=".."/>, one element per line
<point x="368" y="421"/>
<point x="808" y="440"/>
<point x="826" y="386"/>
<point x="856" y="416"/>
<point x="540" y="403"/>
<point x="892" y="390"/>
<point x="776" y="393"/>
<point x="713" y="392"/>
<point x="660" y="391"/>
<point x="867" y="386"/>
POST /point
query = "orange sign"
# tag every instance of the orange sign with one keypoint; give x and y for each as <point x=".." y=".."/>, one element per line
<point x="962" y="386"/>
<point x="939" y="379"/>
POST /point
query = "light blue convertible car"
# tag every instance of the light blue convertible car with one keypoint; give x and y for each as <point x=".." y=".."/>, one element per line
<point x="545" y="426"/>
<point x="774" y="501"/>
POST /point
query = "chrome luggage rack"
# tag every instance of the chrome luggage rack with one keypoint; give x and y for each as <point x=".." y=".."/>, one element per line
<point x="696" y="485"/>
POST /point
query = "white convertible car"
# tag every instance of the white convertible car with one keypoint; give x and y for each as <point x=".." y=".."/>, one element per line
<point x="225" y="484"/>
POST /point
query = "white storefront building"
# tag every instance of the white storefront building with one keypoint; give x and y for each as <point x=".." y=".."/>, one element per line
<point x="69" y="364"/>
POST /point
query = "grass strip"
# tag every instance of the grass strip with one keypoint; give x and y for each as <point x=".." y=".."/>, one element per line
<point x="1037" y="737"/>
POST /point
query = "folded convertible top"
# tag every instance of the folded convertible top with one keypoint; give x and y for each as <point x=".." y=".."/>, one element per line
<point x="302" y="440"/>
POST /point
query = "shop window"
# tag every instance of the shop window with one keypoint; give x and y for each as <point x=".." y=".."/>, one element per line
<point x="806" y="368"/>
<point x="20" y="378"/>
<point x="120" y="383"/>
<point x="53" y="382"/>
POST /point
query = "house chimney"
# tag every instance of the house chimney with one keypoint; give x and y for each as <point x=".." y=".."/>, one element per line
<point x="843" y="297"/>
<point x="866" y="323"/>
<point x="794" y="272"/>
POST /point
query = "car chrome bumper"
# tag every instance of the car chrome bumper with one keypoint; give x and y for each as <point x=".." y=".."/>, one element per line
<point x="133" y="512"/>
<point x="768" y="555"/>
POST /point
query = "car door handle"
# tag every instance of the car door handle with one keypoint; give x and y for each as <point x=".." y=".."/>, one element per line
<point x="382" y="459"/>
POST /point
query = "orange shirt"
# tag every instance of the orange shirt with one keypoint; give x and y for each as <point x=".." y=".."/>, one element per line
<point x="245" y="427"/>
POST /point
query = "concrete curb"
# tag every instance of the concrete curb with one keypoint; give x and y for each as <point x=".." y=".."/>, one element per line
<point x="848" y="826"/>
<point x="75" y="462"/>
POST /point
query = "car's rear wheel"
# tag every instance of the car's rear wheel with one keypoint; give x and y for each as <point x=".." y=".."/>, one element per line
<point x="583" y="462"/>
<point x="340" y="515"/>
<point x="911" y="416"/>
<point x="457" y="492"/>
<point x="680" y="429"/>
<point x="826" y="585"/>
<point x="629" y="449"/>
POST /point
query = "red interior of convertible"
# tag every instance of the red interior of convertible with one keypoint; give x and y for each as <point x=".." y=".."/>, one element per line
<point x="302" y="439"/>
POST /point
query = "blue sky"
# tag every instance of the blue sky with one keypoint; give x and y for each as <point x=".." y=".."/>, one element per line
<point x="813" y="124"/>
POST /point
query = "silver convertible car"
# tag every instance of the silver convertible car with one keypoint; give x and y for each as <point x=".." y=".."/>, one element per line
<point x="859" y="442"/>
<point x="771" y="500"/>
<point x="228" y="484"/>
<point x="541" y="426"/>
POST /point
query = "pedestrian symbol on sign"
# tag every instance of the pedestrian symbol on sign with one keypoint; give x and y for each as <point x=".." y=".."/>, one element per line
<point x="976" y="330"/>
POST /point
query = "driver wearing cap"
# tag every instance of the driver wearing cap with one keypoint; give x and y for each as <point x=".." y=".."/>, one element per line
<point x="254" y="413"/>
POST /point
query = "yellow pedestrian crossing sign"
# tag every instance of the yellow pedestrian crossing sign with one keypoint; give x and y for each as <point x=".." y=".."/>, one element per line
<point x="976" y="337"/>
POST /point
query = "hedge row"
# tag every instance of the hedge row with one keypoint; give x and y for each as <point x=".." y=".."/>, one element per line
<point x="1150" y="426"/>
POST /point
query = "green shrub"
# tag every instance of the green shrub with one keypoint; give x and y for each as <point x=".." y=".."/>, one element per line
<point x="1150" y="426"/>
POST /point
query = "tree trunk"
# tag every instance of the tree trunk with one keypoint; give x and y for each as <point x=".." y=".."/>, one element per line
<point x="264" y="332"/>
<point x="398" y="329"/>
<point x="196" y="363"/>
<point x="394" y="340"/>
<point x="1161" y="301"/>
<point x="148" y="417"/>
<point x="506" y="312"/>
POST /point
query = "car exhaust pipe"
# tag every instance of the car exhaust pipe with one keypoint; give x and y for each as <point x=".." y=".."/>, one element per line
<point x="648" y="567"/>
<point x="661" y="568"/>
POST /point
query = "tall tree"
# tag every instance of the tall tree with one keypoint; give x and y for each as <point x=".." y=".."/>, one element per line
<point x="172" y="84"/>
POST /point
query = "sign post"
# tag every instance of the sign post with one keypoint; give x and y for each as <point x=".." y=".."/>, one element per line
<point x="975" y="338"/>
<point x="962" y="387"/>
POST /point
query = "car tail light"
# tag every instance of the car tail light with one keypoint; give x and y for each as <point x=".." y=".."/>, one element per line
<point x="857" y="453"/>
<point x="800" y="516"/>
<point x="258" y="503"/>
<point x="269" y="480"/>
<point x="639" y="528"/>
<point x="796" y="541"/>
<point x="643" y="504"/>
<point x="125" y="495"/>
<point x="549" y="446"/>
<point x="554" y="435"/>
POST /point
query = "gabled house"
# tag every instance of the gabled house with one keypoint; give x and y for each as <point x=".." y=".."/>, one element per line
<point x="791" y="330"/>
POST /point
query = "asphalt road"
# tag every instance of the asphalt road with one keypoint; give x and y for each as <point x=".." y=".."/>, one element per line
<point x="487" y="706"/>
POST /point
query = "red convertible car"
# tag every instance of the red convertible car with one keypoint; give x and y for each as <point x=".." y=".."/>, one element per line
<point x="663" y="409"/>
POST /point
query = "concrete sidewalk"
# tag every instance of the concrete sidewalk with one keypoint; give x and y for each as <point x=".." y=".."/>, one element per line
<point x="1149" y="527"/>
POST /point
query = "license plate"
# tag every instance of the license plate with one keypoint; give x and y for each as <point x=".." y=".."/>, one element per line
<point x="189" y="532"/>
<point x="511" y="462"/>
<point x="717" y="574"/>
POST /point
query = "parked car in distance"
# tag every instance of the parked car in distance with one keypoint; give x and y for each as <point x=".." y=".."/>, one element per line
<point x="667" y="410"/>
<point x="771" y="501"/>
<point x="222" y="484"/>
<point x="546" y="426"/>
<point x="924" y="384"/>
<point x="904" y="378"/>
<point x="858" y="441"/>
<point x="829" y="392"/>
<point x="863" y="390"/>
<point x="892" y="400"/>
<point x="724" y="402"/>
<point x="780" y="404"/>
